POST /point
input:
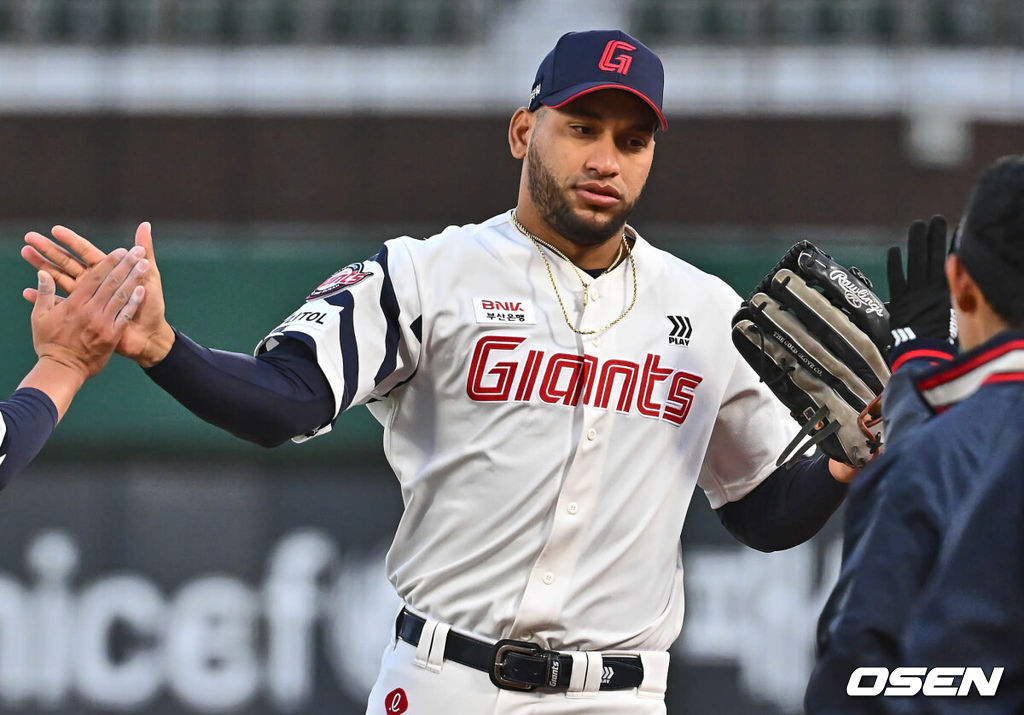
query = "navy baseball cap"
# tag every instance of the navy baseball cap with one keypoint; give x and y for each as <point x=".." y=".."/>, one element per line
<point x="583" y="62"/>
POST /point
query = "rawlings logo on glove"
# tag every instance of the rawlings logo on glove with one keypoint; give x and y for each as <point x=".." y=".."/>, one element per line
<point x="816" y="334"/>
<point x="857" y="295"/>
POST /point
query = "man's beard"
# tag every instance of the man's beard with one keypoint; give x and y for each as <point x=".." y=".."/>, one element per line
<point x="551" y="202"/>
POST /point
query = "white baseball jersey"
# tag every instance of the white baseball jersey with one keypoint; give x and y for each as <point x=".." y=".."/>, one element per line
<point x="546" y="475"/>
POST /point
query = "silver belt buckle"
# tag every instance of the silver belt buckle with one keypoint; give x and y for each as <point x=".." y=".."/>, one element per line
<point x="503" y="648"/>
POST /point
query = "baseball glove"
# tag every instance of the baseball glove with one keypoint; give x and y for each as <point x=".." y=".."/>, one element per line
<point x="817" y="335"/>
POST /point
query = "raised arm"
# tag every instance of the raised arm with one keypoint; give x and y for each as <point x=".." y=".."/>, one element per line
<point x="73" y="338"/>
<point x="267" y="400"/>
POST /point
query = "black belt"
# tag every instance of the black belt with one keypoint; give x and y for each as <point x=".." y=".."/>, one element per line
<point x="521" y="665"/>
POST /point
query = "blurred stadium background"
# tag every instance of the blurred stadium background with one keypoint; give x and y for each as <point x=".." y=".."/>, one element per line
<point x="149" y="563"/>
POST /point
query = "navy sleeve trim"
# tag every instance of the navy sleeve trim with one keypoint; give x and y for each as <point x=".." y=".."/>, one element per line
<point x="268" y="399"/>
<point x="349" y="347"/>
<point x="29" y="416"/>
<point x="787" y="508"/>
<point x="391" y="310"/>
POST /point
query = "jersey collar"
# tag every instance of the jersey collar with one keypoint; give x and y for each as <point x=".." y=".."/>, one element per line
<point x="999" y="360"/>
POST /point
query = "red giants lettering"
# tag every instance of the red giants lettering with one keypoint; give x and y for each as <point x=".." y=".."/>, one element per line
<point x="505" y="371"/>
<point x="681" y="393"/>
<point x="629" y="371"/>
<point x="570" y="379"/>
<point x="652" y="374"/>
<point x="577" y="371"/>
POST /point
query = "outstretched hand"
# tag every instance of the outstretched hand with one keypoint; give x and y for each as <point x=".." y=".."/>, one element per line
<point x="80" y="332"/>
<point x="148" y="337"/>
<point x="919" y="304"/>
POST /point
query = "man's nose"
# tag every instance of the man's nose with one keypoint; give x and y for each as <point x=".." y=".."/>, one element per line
<point x="604" y="157"/>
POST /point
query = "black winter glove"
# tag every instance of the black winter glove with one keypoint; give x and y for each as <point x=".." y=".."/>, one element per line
<point x="919" y="303"/>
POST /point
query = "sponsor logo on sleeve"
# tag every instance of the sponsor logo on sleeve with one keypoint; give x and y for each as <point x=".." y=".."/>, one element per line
<point x="345" y="278"/>
<point x="305" y="316"/>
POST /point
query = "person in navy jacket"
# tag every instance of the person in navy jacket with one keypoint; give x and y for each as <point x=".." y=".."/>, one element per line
<point x="933" y="552"/>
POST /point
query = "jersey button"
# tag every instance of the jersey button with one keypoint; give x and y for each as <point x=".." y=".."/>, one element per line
<point x="549" y="578"/>
<point x="591" y="434"/>
<point x="594" y="295"/>
<point x="595" y="342"/>
<point x="573" y="508"/>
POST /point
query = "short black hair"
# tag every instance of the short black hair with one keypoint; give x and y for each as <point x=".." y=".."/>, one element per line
<point x="995" y="218"/>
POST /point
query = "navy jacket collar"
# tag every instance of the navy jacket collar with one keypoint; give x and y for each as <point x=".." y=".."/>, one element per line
<point x="1000" y="359"/>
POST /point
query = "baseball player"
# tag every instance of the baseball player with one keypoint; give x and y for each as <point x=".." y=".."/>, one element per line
<point x="933" y="566"/>
<point x="73" y="338"/>
<point x="552" y="388"/>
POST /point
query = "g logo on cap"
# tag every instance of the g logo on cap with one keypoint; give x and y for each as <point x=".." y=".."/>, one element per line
<point x="620" y="63"/>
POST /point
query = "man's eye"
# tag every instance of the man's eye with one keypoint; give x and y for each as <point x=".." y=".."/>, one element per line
<point x="580" y="128"/>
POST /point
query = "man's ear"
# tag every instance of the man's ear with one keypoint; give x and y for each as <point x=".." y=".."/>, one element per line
<point x="962" y="288"/>
<point x="519" y="130"/>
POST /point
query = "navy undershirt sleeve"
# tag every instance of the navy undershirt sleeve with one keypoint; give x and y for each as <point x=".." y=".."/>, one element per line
<point x="787" y="508"/>
<point x="30" y="417"/>
<point x="267" y="399"/>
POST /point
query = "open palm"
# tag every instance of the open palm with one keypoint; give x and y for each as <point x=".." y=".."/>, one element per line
<point x="148" y="337"/>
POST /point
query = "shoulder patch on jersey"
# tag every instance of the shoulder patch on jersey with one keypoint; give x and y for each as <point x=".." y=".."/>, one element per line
<point x="339" y="281"/>
<point x="504" y="311"/>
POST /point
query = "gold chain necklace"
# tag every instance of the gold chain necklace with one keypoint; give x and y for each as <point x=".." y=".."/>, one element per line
<point x="586" y="286"/>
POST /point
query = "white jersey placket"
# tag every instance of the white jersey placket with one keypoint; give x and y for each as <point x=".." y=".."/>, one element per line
<point x="548" y="587"/>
